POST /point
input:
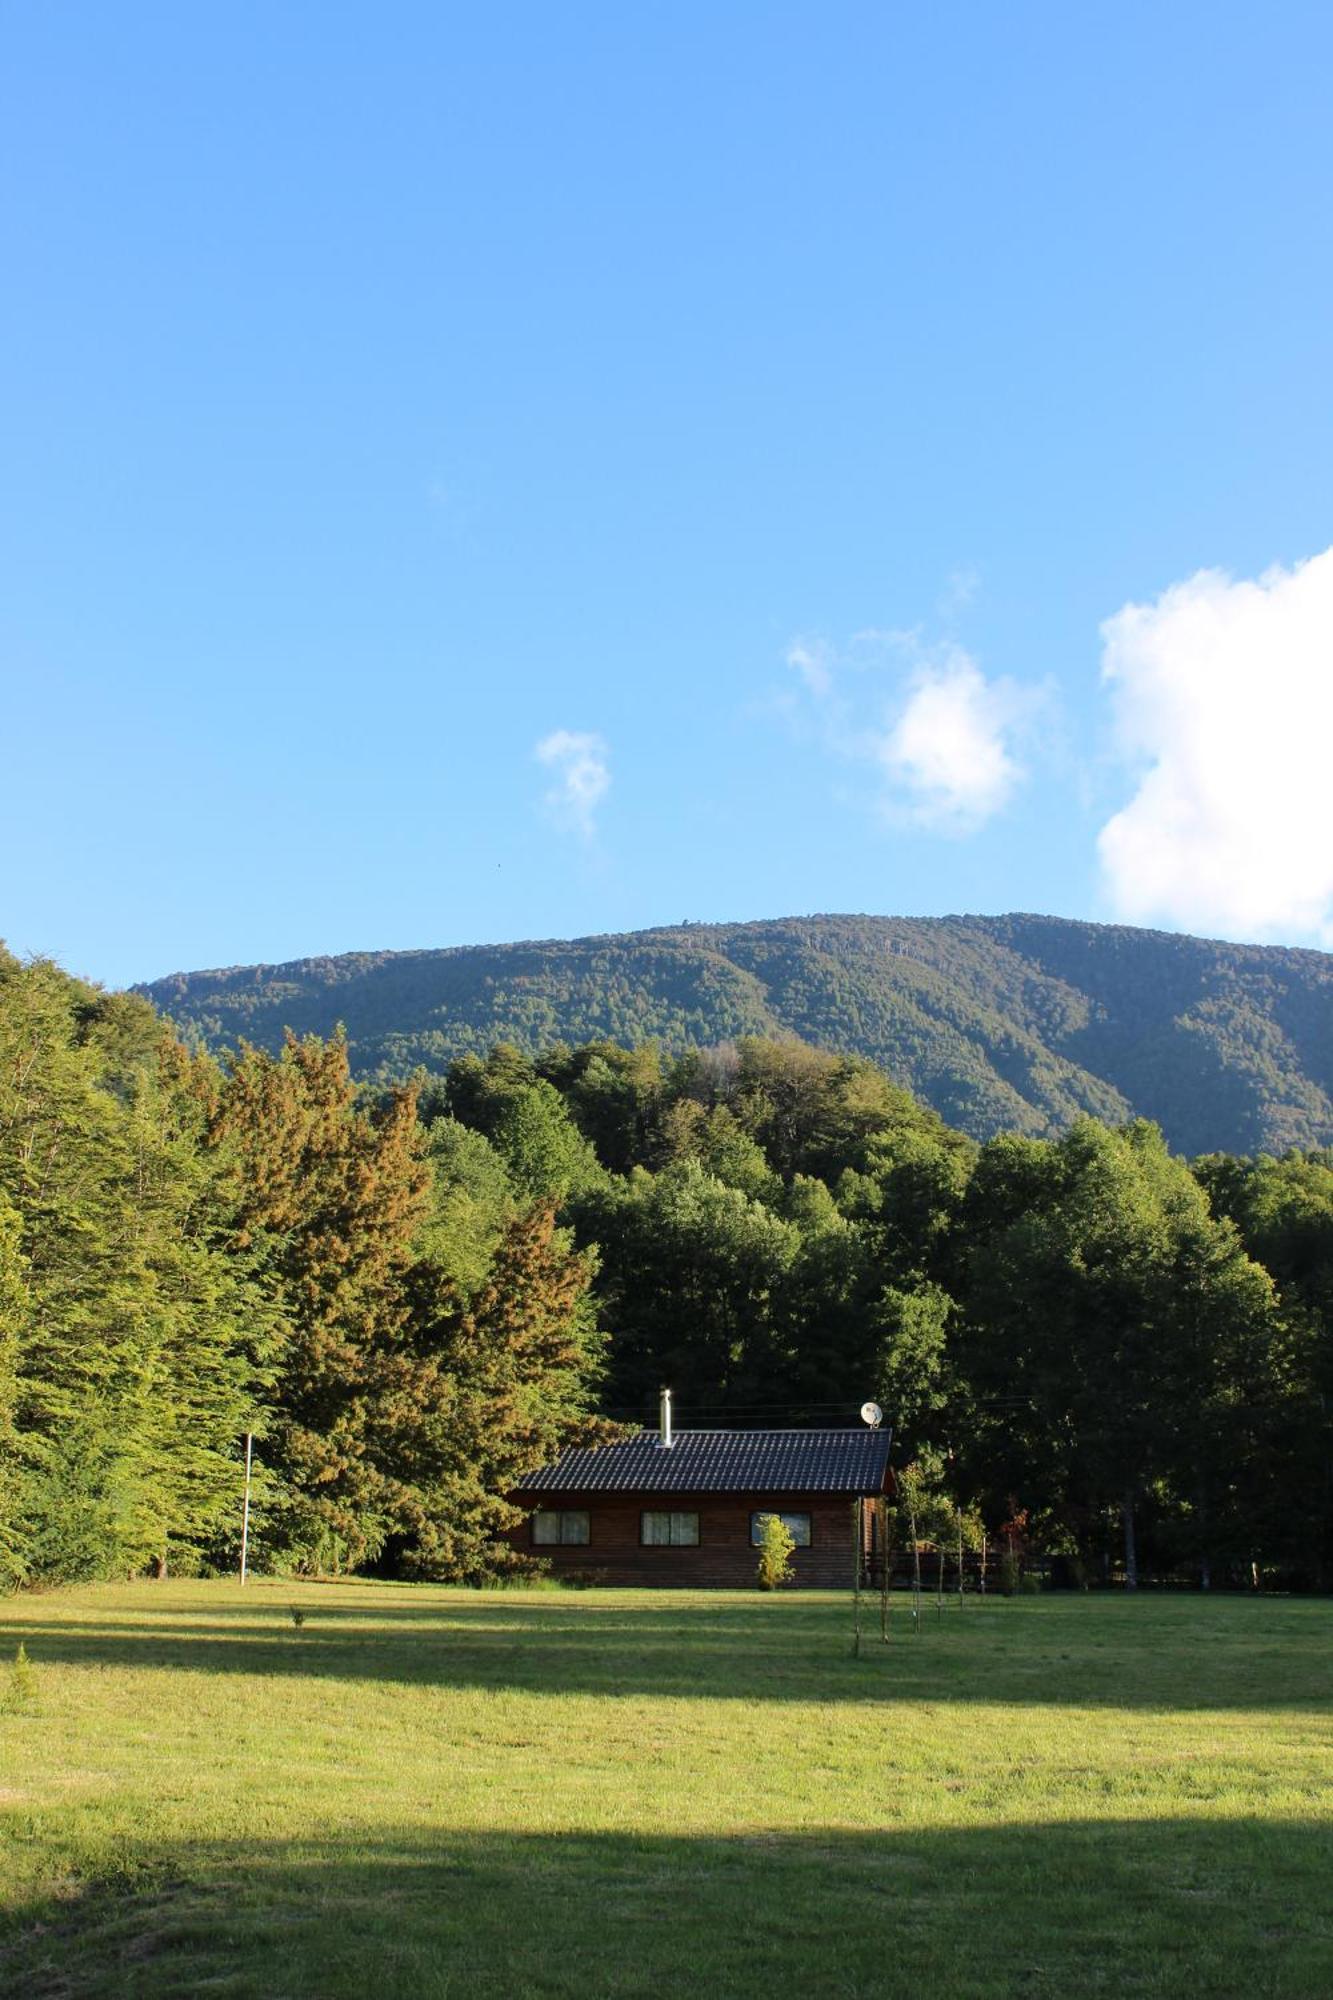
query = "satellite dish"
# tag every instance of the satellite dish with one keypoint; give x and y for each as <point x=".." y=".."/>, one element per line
<point x="872" y="1414"/>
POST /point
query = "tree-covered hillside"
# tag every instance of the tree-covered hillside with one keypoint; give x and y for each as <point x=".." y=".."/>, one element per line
<point x="1013" y="1023"/>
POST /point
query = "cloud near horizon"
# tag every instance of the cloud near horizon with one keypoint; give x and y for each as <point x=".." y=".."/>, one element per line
<point x="943" y="741"/>
<point x="1223" y="689"/>
<point x="580" y="762"/>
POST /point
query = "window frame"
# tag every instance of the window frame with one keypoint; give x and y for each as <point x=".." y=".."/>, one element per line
<point x="787" y="1514"/>
<point x="562" y="1540"/>
<point x="672" y="1515"/>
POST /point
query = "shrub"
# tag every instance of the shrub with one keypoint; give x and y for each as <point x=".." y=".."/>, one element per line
<point x="22" y="1682"/>
<point x="776" y="1543"/>
<point x="584" y="1579"/>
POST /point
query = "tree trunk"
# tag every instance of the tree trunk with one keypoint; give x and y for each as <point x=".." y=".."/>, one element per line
<point x="1131" y="1546"/>
<point x="160" y="1568"/>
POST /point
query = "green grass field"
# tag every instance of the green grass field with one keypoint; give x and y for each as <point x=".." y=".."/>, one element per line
<point x="425" y="1792"/>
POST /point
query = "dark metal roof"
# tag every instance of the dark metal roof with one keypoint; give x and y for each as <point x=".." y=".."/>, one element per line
<point x="851" y="1461"/>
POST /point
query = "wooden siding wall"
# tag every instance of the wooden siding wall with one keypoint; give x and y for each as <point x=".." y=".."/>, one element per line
<point x="724" y="1558"/>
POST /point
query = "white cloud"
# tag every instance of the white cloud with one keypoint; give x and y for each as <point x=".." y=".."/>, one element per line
<point x="948" y="749"/>
<point x="940" y="734"/>
<point x="580" y="763"/>
<point x="1224" y="690"/>
<point x="809" y="658"/>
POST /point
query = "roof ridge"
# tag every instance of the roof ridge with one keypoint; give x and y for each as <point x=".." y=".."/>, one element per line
<point x="765" y="1430"/>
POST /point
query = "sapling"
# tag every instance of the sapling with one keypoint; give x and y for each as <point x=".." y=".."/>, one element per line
<point x="22" y="1681"/>
<point x="926" y="1512"/>
<point x="776" y="1543"/>
<point x="916" y="1567"/>
<point x="971" y="1536"/>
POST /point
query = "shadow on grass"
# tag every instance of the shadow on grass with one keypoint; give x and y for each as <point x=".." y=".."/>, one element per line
<point x="1187" y="1654"/>
<point x="1152" y="1907"/>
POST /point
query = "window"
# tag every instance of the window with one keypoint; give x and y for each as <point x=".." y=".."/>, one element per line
<point x="568" y="1526"/>
<point x="677" y="1531"/>
<point x="797" y="1526"/>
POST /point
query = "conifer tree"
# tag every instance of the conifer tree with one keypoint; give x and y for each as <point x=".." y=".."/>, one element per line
<point x="521" y="1363"/>
<point x="329" y="1199"/>
<point x="132" y="1361"/>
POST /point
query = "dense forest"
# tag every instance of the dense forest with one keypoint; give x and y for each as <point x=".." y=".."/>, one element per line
<point x="190" y="1251"/>
<point x="1001" y="1024"/>
<point x="412" y="1292"/>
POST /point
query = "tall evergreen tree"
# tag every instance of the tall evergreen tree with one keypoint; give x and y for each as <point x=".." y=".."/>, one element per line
<point x="328" y="1199"/>
<point x="518" y="1367"/>
<point x="134" y="1364"/>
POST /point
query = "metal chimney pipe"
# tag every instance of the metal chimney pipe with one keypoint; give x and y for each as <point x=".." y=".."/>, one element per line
<point x="665" y="1438"/>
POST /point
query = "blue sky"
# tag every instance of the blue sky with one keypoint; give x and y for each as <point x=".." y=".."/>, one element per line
<point x="476" y="473"/>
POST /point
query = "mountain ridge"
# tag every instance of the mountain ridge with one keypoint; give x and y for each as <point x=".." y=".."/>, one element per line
<point x="1017" y="1022"/>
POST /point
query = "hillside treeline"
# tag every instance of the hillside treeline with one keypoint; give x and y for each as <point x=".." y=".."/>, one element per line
<point x="411" y="1295"/>
<point x="1001" y="1024"/>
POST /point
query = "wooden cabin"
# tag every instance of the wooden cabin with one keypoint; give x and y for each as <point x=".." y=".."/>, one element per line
<point x="685" y="1507"/>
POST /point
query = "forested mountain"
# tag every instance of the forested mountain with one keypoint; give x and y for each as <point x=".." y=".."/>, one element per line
<point x="1012" y="1023"/>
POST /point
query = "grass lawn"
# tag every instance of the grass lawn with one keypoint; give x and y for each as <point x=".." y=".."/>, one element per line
<point x="423" y="1793"/>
